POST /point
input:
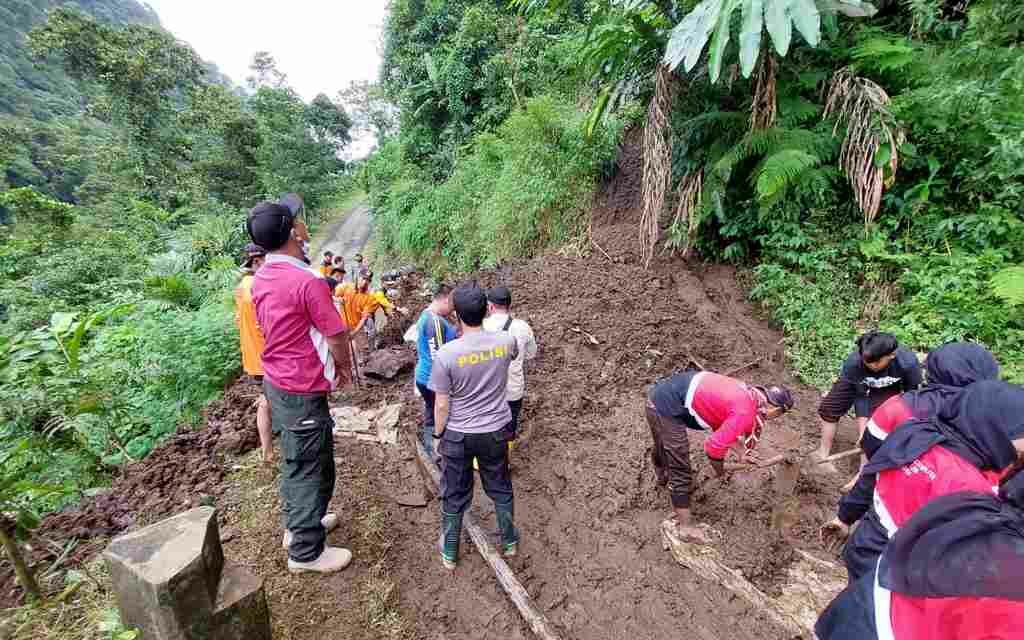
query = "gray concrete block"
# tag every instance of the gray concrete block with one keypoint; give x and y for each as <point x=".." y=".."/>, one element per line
<point x="167" y="576"/>
<point x="241" y="611"/>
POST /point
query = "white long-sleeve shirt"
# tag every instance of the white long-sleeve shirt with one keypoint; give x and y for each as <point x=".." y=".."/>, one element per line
<point x="527" y="345"/>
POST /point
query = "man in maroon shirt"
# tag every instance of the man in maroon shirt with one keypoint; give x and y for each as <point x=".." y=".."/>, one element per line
<point x="305" y="357"/>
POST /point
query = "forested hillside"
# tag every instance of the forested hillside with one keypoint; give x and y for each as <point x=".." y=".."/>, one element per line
<point x="863" y="161"/>
<point x="128" y="166"/>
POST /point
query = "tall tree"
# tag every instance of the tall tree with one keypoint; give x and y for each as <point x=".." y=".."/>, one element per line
<point x="145" y="72"/>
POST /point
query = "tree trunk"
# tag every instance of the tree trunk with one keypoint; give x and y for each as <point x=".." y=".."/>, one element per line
<point x="21" y="570"/>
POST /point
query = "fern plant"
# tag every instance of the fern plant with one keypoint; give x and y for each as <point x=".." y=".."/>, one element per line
<point x="1008" y="285"/>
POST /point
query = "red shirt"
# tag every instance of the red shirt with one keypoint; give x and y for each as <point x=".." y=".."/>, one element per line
<point x="297" y="315"/>
<point x="889" y="415"/>
<point x="899" y="493"/>
<point x="725" y="406"/>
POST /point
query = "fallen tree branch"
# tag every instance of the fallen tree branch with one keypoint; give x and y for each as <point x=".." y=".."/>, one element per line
<point x="506" y="577"/>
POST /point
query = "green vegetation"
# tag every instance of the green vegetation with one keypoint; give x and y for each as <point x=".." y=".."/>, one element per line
<point x="123" y="205"/>
<point x="863" y="159"/>
<point x="490" y="159"/>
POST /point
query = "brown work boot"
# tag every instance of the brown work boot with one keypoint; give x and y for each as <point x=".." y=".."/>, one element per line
<point x="332" y="559"/>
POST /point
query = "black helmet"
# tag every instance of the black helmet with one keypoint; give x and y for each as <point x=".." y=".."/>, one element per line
<point x="779" y="397"/>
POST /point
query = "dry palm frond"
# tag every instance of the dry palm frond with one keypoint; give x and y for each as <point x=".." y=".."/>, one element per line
<point x="688" y="199"/>
<point x="657" y="161"/>
<point x="764" y="109"/>
<point x="864" y="107"/>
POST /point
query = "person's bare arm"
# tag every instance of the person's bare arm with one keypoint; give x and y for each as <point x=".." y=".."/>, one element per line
<point x="341" y="352"/>
<point x="362" y="321"/>
<point x="441" y="403"/>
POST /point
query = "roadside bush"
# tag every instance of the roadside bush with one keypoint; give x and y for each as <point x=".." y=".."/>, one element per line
<point x="521" y="188"/>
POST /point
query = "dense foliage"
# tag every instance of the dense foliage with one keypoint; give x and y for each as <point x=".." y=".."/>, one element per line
<point x="123" y="200"/>
<point x="490" y="158"/>
<point x="863" y="158"/>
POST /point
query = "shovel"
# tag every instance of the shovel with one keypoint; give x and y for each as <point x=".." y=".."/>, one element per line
<point x="786" y="507"/>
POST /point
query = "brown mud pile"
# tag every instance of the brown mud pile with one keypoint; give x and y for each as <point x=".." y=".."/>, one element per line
<point x="587" y="504"/>
<point x="180" y="474"/>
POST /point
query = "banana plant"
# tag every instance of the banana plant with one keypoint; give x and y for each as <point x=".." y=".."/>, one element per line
<point x="711" y="22"/>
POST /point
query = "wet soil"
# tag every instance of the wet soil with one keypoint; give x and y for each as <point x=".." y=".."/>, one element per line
<point x="587" y="503"/>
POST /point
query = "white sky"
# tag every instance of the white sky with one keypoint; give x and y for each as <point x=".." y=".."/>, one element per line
<point x="321" y="45"/>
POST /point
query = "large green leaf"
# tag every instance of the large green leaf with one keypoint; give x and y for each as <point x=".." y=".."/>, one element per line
<point x="750" y="37"/>
<point x="805" y="16"/>
<point x="720" y="39"/>
<point x="777" y="21"/>
<point x="689" y="36"/>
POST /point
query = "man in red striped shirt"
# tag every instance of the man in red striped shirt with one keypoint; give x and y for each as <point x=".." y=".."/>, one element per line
<point x="732" y="410"/>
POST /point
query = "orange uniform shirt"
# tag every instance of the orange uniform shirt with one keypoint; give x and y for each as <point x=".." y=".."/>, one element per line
<point x="250" y="336"/>
<point x="356" y="305"/>
<point x="325" y="270"/>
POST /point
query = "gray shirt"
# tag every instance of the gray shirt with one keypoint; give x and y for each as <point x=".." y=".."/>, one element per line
<point x="473" y="371"/>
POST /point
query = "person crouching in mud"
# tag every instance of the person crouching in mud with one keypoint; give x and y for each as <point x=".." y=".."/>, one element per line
<point x="732" y="410"/>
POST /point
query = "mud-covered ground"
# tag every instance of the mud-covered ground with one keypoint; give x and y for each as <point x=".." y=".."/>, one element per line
<point x="586" y="501"/>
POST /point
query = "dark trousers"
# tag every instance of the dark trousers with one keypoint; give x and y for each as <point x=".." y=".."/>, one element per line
<point x="865" y="547"/>
<point x="307" y="466"/>
<point x="671" y="455"/>
<point x="515" y="406"/>
<point x="491" y="451"/>
<point x="427" y="431"/>
<point x="844" y="394"/>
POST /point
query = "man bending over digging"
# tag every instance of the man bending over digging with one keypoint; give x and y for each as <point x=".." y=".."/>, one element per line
<point x="732" y="410"/>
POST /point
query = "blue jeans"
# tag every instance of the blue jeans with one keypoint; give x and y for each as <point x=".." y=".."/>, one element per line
<point x="427" y="433"/>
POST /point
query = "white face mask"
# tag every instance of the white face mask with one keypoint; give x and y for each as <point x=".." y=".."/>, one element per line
<point x="305" y="249"/>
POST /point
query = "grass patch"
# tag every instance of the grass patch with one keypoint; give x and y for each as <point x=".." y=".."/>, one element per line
<point x="378" y="591"/>
<point x="87" y="612"/>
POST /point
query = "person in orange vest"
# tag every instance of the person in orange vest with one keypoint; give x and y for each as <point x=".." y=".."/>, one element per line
<point x="251" y="343"/>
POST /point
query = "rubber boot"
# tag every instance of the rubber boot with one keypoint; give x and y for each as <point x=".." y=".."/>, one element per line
<point x="507" y="529"/>
<point x="451" y="533"/>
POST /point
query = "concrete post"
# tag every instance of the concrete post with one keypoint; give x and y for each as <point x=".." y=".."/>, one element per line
<point x="171" y="583"/>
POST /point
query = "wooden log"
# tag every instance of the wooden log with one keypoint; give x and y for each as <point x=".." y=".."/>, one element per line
<point x="506" y="577"/>
<point x="810" y="584"/>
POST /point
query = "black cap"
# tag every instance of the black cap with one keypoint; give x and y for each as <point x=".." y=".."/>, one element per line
<point x="779" y="397"/>
<point x="253" y="251"/>
<point x="500" y="296"/>
<point x="270" y="223"/>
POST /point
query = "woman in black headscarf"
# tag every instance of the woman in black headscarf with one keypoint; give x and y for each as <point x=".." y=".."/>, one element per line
<point x="976" y="435"/>
<point x="953" y="572"/>
<point x="950" y="368"/>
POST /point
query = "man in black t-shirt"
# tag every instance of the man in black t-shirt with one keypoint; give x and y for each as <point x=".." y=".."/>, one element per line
<point x="877" y="370"/>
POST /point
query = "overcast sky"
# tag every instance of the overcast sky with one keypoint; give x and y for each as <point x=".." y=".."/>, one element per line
<point x="321" y="45"/>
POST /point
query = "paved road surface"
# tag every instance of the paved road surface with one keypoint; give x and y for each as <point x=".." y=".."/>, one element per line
<point x="349" y="235"/>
